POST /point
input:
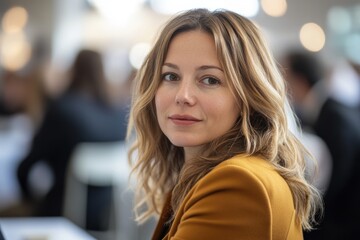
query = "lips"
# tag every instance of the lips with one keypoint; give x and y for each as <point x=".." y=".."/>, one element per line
<point x="184" y="119"/>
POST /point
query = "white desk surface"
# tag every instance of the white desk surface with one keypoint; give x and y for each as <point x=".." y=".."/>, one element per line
<point x="42" y="228"/>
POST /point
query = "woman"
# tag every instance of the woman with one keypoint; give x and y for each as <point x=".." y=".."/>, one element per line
<point x="214" y="153"/>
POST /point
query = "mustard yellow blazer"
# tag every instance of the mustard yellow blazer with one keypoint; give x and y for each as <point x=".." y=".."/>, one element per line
<point x="242" y="198"/>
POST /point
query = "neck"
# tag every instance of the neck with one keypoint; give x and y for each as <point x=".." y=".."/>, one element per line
<point x="191" y="152"/>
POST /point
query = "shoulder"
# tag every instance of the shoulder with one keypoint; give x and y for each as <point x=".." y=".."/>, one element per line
<point x="241" y="194"/>
<point x="248" y="179"/>
<point x="345" y="119"/>
<point x="245" y="177"/>
<point x="252" y="168"/>
<point x="340" y="112"/>
<point x="248" y="163"/>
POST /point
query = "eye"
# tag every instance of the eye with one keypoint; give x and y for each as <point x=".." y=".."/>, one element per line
<point x="169" y="77"/>
<point x="211" y="81"/>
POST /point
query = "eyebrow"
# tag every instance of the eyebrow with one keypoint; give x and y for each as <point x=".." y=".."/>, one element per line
<point x="204" y="67"/>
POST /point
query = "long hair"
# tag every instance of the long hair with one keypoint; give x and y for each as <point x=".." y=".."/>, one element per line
<point x="262" y="127"/>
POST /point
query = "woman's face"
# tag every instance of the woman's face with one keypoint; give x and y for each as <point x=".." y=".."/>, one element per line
<point x="194" y="104"/>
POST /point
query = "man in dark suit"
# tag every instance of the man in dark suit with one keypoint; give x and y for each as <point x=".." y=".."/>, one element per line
<point x="339" y="126"/>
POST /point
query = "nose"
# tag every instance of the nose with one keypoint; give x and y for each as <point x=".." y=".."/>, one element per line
<point x="186" y="93"/>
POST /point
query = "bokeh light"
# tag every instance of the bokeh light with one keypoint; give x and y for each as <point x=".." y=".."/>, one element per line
<point x="15" y="51"/>
<point x="312" y="37"/>
<point x="14" y="20"/>
<point x="352" y="47"/>
<point x="339" y="20"/>
<point x="274" y="8"/>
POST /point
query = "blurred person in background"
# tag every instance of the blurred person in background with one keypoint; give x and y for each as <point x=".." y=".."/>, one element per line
<point x="338" y="125"/>
<point x="23" y="93"/>
<point x="344" y="82"/>
<point x="22" y="102"/>
<point x="82" y="113"/>
<point x="297" y="92"/>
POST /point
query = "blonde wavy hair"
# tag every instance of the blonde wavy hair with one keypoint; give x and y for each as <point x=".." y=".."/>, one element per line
<point x="261" y="129"/>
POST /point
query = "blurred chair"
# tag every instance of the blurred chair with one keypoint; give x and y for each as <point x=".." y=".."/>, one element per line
<point x="97" y="173"/>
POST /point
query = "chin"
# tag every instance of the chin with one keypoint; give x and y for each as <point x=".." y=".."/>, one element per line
<point x="181" y="144"/>
<point x="185" y="139"/>
<point x="184" y="143"/>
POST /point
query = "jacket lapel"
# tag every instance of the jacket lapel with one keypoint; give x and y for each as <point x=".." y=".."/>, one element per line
<point x="162" y="225"/>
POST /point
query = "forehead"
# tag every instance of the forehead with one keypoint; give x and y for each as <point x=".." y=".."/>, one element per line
<point x="193" y="45"/>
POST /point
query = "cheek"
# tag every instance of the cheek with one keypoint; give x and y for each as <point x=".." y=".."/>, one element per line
<point x="225" y="114"/>
<point x="158" y="99"/>
<point x="225" y="108"/>
<point x="162" y="100"/>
